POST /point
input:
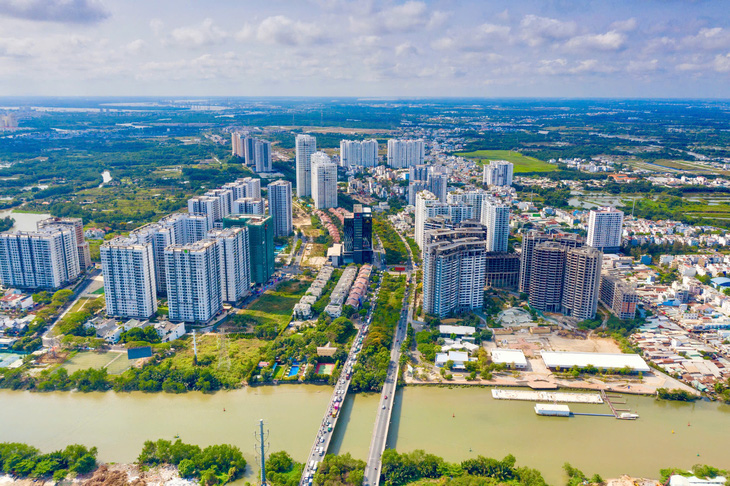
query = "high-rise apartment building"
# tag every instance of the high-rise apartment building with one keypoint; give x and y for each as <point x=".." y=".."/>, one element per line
<point x="405" y="153"/>
<point x="193" y="281"/>
<point x="428" y="206"/>
<point x="255" y="152"/>
<point x="78" y="227"/>
<point x="581" y="282"/>
<point x="324" y="181"/>
<point x="237" y="144"/>
<point x="358" y="153"/>
<point x="418" y="173"/>
<point x="454" y="264"/>
<point x="473" y="198"/>
<point x="605" y="226"/>
<point x="618" y="296"/>
<point x="534" y="238"/>
<point x="503" y="270"/>
<point x="306" y="145"/>
<point x="546" y="281"/>
<point x="260" y="243"/>
<point x="358" y="229"/>
<point x="129" y="278"/>
<point x="45" y="259"/>
<point x="249" y="205"/>
<point x="498" y="173"/>
<point x="244" y="187"/>
<point x="234" y="262"/>
<point x="258" y="154"/>
<point x="225" y="198"/>
<point x="495" y="216"/>
<point x="177" y="228"/>
<point x="438" y="185"/>
<point x="208" y="205"/>
<point x="280" y="207"/>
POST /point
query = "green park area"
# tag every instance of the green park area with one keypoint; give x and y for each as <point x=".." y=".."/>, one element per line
<point x="522" y="163"/>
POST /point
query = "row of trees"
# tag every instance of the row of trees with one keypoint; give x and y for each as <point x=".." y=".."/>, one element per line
<point x="372" y="364"/>
<point x="216" y="464"/>
<point x="399" y="469"/>
<point x="24" y="461"/>
<point x="395" y="251"/>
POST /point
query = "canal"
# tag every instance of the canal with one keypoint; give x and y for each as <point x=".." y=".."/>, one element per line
<point x="453" y="423"/>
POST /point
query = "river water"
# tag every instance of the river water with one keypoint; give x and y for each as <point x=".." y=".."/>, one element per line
<point x="453" y="423"/>
<point x="24" y="221"/>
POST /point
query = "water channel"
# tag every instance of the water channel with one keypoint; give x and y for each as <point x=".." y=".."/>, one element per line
<point x="453" y="423"/>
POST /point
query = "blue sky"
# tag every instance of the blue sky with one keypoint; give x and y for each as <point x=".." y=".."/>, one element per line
<point x="546" y="48"/>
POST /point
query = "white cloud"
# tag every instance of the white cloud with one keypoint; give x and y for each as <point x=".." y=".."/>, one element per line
<point x="401" y="18"/>
<point x="63" y="11"/>
<point x="641" y="67"/>
<point x="610" y="41"/>
<point x="405" y="49"/>
<point x="493" y="30"/>
<point x="536" y="30"/>
<point x="628" y="25"/>
<point x="205" y="34"/>
<point x="709" y="38"/>
<point x="281" y="30"/>
<point x="157" y="25"/>
<point x="136" y="46"/>
<point x="721" y="63"/>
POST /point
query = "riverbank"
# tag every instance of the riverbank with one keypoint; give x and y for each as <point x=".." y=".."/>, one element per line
<point x="113" y="475"/>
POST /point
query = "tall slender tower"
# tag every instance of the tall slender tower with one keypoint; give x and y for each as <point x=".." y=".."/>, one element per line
<point x="280" y="207"/>
<point x="306" y="145"/>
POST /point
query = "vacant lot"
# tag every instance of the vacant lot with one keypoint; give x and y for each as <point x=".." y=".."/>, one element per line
<point x="276" y="305"/>
<point x="115" y="362"/>
<point x="521" y="162"/>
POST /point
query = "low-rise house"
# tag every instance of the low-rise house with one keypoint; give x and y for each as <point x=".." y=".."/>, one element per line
<point x="459" y="358"/>
<point x="16" y="302"/>
<point x="169" y="331"/>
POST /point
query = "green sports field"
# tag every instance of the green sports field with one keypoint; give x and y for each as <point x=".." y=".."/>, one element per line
<point x="521" y="162"/>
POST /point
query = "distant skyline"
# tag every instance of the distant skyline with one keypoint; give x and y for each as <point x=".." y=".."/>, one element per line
<point x="440" y="48"/>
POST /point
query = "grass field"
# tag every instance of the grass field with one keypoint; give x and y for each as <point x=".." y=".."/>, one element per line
<point x="277" y="305"/>
<point x="115" y="362"/>
<point x="240" y="350"/>
<point x="81" y="303"/>
<point x="522" y="163"/>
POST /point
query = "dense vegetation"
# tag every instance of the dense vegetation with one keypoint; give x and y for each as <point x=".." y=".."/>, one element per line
<point x="395" y="250"/>
<point x="679" y="395"/>
<point x="24" y="461"/>
<point x="216" y="464"/>
<point x="339" y="470"/>
<point x="372" y="364"/>
<point x="400" y="469"/>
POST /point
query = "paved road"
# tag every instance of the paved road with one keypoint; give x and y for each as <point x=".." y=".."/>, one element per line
<point x="329" y="422"/>
<point x="387" y="397"/>
<point x="78" y="292"/>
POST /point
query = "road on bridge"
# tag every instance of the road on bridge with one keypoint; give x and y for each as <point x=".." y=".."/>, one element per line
<point x="329" y="422"/>
<point x="387" y="397"/>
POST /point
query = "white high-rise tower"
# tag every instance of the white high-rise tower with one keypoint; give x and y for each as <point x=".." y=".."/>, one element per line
<point x="306" y="145"/>
<point x="324" y="181"/>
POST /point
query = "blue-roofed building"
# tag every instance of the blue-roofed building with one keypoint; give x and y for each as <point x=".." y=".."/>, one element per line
<point x="720" y="282"/>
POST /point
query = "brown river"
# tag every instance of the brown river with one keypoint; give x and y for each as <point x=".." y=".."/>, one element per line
<point x="453" y="423"/>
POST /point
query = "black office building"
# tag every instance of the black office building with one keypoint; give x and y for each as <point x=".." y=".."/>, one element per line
<point x="359" y="235"/>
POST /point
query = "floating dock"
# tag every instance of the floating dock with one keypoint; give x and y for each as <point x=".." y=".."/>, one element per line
<point x="552" y="410"/>
<point x="544" y="396"/>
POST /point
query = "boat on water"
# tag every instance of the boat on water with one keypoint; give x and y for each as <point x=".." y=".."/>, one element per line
<point x="627" y="416"/>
